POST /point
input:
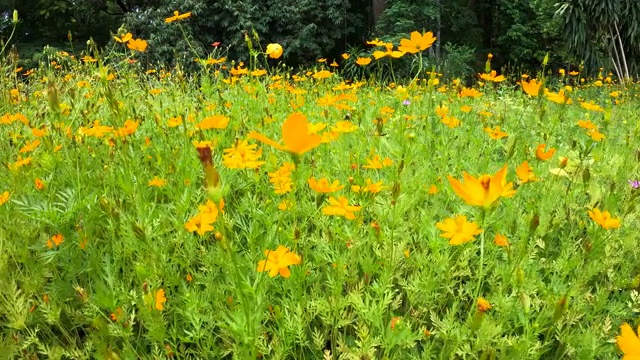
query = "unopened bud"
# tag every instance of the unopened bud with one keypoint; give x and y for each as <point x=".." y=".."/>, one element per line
<point x="15" y="16"/>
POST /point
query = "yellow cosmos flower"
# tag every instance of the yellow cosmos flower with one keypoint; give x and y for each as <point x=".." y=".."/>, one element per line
<point x="213" y="122"/>
<point x="137" y="45"/>
<point x="458" y="230"/>
<point x="629" y="342"/>
<point x="369" y="187"/>
<point x="295" y="135"/>
<point x="532" y="87"/>
<point x="363" y="61"/>
<point x="274" y="50"/>
<point x="124" y="39"/>
<point x="323" y="186"/>
<point x="604" y="219"/>
<point x="587" y="125"/>
<point x="469" y="92"/>
<point x="344" y="127"/>
<point x="417" y="42"/>
<point x="157" y="182"/>
<point x="4" y="197"/>
<point x="177" y="17"/>
<point x="341" y="207"/>
<point x="596" y="135"/>
<point x="29" y="147"/>
<point x="242" y="155"/>
<point x="525" y="173"/>
<point x="485" y="190"/>
<point x="543" y="155"/>
<point x="278" y="262"/>
<point x="591" y="106"/>
<point x="160" y="300"/>
<point x="376" y="162"/>
<point x="495" y="134"/>
<point x="174" y="121"/>
<point x="492" y="76"/>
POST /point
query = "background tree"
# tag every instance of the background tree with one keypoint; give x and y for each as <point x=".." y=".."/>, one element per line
<point x="603" y="32"/>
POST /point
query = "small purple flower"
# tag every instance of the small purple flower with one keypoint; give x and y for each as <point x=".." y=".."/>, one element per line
<point x="635" y="184"/>
<point x="406" y="103"/>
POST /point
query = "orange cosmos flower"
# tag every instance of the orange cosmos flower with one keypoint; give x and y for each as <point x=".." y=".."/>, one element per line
<point x="160" y="300"/>
<point x="495" y="134"/>
<point x="418" y="42"/>
<point x="39" y="183"/>
<point x="485" y="190"/>
<point x="458" y="230"/>
<point x="341" y="207"/>
<point x="29" y="147"/>
<point x="543" y="155"/>
<point x="525" y="173"/>
<point x="532" y="87"/>
<point x="501" y="240"/>
<point x="129" y="128"/>
<point x="295" y="135"/>
<point x="137" y="45"/>
<point x="596" y="135"/>
<point x="19" y="163"/>
<point x="55" y="240"/>
<point x="604" y="219"/>
<point x="278" y="262"/>
<point x="483" y="305"/>
<point x="629" y="342"/>
<point x="587" y="125"/>
<point x="39" y="132"/>
<point x="323" y="186"/>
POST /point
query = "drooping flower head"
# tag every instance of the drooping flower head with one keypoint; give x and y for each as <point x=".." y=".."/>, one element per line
<point x="274" y="51"/>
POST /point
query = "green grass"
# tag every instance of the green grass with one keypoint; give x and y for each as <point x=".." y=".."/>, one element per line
<point x="399" y="291"/>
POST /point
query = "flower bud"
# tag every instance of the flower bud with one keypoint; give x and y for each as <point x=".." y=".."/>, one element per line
<point x="15" y="17"/>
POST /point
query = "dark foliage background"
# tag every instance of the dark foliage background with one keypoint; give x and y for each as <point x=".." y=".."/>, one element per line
<point x="518" y="32"/>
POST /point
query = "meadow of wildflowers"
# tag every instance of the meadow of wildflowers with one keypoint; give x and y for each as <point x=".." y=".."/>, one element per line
<point x="247" y="211"/>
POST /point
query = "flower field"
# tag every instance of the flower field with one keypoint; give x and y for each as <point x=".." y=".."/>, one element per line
<point x="253" y="212"/>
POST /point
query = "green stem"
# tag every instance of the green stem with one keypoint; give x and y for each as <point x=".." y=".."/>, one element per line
<point x="481" y="272"/>
<point x="15" y="25"/>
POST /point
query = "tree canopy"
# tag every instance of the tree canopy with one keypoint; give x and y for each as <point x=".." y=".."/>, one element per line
<point x="518" y="33"/>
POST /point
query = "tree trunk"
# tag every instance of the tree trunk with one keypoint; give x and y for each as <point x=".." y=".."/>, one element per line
<point x="378" y="8"/>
